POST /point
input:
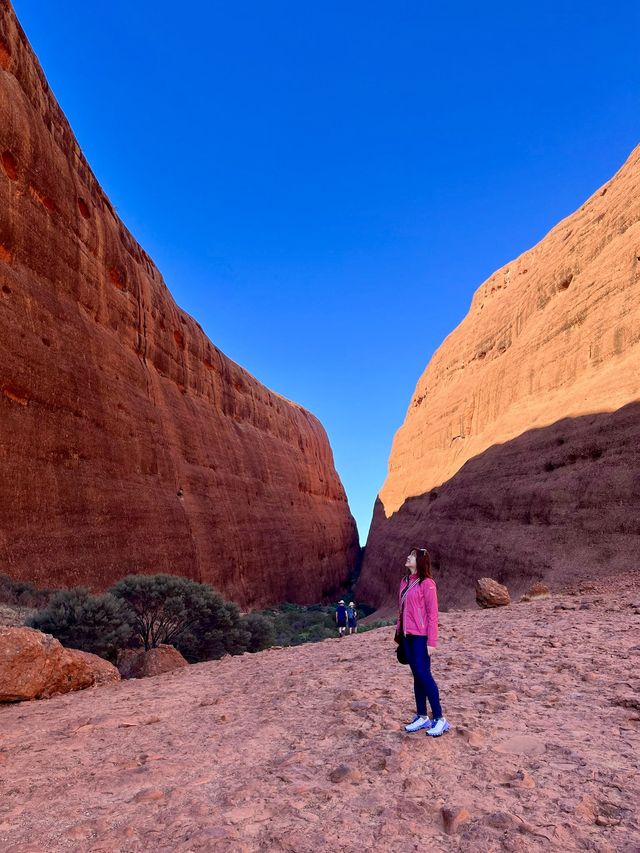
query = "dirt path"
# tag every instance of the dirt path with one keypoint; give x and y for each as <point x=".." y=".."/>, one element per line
<point x="238" y="754"/>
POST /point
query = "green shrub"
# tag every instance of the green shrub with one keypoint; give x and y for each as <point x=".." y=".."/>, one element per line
<point x="100" y="624"/>
<point x="288" y="607"/>
<point x="377" y="623"/>
<point x="294" y="624"/>
<point x="261" y="631"/>
<point x="7" y="595"/>
<point x="23" y="593"/>
<point x="319" y="631"/>
<point x="191" y="616"/>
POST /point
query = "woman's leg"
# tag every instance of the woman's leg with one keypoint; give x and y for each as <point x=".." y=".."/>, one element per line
<point x="410" y="647"/>
<point x="423" y="679"/>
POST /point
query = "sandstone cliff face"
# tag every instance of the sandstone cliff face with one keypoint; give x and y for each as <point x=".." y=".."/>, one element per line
<point x="128" y="441"/>
<point x="518" y="456"/>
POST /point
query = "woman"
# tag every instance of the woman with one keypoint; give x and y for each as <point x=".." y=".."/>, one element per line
<point x="417" y="630"/>
<point x="352" y="618"/>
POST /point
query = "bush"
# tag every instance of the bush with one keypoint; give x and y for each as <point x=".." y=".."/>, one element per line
<point x="191" y="616"/>
<point x="288" y="607"/>
<point x="100" y="624"/>
<point x="7" y="595"/>
<point x="318" y="632"/>
<point x="294" y="624"/>
<point x="214" y="636"/>
<point x="377" y="623"/>
<point x="23" y="593"/>
<point x="261" y="631"/>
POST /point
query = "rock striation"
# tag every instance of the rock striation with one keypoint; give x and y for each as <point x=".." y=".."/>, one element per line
<point x="128" y="441"/>
<point x="518" y="456"/>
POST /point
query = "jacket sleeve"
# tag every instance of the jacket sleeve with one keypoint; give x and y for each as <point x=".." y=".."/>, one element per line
<point x="399" y="596"/>
<point x="431" y="605"/>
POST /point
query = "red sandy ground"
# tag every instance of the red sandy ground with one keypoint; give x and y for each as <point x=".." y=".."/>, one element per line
<point x="239" y="754"/>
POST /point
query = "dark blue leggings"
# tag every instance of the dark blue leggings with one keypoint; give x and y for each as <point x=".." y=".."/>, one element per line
<point x="424" y="685"/>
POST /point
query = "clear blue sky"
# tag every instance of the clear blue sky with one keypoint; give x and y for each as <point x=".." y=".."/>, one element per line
<point x="324" y="185"/>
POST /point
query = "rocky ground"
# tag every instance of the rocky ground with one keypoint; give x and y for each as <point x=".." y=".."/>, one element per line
<point x="302" y="749"/>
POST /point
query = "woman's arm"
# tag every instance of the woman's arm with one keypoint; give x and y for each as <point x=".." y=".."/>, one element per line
<point x="431" y="606"/>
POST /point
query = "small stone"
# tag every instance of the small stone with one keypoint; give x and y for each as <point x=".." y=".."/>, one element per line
<point x="604" y="820"/>
<point x="452" y="817"/>
<point x="522" y="779"/>
<point x="344" y="773"/>
<point x="536" y="592"/>
<point x="148" y="795"/>
<point x="501" y="820"/>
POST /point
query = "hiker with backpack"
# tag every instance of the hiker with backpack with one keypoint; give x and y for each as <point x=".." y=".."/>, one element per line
<point x="341" y="617"/>
<point x="417" y="638"/>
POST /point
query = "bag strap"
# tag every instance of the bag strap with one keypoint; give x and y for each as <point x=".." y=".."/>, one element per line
<point x="403" y="597"/>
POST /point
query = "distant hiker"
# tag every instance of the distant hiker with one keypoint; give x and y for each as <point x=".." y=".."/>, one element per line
<point x="417" y="634"/>
<point x="341" y="617"/>
<point x="352" y="618"/>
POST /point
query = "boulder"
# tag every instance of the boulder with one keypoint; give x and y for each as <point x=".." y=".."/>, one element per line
<point x="490" y="593"/>
<point x="102" y="671"/>
<point x="34" y="665"/>
<point x="138" y="663"/>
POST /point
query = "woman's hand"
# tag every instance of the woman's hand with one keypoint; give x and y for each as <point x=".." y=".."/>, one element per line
<point x="430" y="650"/>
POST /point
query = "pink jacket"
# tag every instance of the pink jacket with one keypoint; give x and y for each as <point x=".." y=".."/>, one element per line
<point x="420" y="614"/>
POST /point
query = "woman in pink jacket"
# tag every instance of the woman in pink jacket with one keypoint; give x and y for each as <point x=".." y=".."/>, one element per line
<point x="417" y="630"/>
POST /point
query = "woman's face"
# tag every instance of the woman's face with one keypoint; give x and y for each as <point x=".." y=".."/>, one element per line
<point x="411" y="562"/>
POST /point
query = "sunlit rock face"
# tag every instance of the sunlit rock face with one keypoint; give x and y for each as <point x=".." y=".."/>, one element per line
<point x="518" y="454"/>
<point x="128" y="441"/>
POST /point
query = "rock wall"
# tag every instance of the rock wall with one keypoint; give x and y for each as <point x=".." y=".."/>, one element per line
<point x="518" y="457"/>
<point x="128" y="441"/>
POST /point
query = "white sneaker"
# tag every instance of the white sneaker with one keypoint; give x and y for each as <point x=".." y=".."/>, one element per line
<point x="439" y="727"/>
<point x="418" y="723"/>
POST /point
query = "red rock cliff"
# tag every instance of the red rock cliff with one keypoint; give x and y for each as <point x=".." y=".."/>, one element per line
<point x="128" y="441"/>
<point x="518" y="456"/>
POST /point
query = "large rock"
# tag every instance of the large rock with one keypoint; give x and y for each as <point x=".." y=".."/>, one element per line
<point x="490" y="593"/>
<point x="520" y="449"/>
<point x="138" y="663"/>
<point x="102" y="672"/>
<point x="128" y="441"/>
<point x="34" y="665"/>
